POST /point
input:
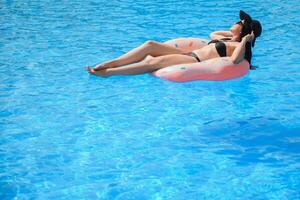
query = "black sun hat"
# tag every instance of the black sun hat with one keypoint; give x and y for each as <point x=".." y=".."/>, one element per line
<point x="250" y="25"/>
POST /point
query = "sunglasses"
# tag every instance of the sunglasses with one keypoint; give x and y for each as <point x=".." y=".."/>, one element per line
<point x="245" y="26"/>
<point x="240" y="22"/>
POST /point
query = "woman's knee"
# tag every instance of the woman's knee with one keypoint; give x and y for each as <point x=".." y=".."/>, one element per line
<point x="153" y="60"/>
<point x="150" y="42"/>
<point x="147" y="58"/>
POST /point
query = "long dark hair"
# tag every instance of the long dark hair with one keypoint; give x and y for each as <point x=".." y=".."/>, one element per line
<point x="248" y="51"/>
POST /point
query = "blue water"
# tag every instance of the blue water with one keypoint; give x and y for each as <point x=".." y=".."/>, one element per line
<point x="68" y="135"/>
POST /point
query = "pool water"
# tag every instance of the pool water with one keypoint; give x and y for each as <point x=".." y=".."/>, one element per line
<point x="67" y="135"/>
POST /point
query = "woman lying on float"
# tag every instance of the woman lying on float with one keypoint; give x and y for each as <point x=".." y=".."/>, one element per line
<point x="226" y="56"/>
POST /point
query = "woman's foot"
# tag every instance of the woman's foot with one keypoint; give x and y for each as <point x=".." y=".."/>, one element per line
<point x="104" y="65"/>
<point x="103" y="73"/>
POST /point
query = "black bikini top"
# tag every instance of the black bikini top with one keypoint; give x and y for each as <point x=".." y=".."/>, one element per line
<point x="220" y="46"/>
<point x="221" y="49"/>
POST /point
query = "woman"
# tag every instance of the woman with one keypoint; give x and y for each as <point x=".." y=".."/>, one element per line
<point x="153" y="55"/>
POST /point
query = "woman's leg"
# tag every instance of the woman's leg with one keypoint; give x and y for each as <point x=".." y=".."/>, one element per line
<point x="152" y="48"/>
<point x="146" y="66"/>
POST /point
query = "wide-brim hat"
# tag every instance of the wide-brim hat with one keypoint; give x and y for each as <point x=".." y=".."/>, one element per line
<point x="250" y="25"/>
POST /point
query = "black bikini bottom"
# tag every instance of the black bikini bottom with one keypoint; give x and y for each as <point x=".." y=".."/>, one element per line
<point x="194" y="55"/>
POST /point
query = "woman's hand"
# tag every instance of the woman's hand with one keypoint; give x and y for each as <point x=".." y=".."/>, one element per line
<point x="249" y="37"/>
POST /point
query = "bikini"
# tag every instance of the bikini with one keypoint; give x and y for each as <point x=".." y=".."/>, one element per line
<point x="220" y="46"/>
<point x="195" y="56"/>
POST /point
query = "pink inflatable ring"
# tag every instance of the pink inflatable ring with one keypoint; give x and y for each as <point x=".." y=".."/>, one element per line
<point x="216" y="69"/>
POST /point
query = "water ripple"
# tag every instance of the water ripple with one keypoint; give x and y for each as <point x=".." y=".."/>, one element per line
<point x="64" y="134"/>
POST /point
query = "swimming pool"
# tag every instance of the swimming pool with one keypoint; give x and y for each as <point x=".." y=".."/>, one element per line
<point x="68" y="135"/>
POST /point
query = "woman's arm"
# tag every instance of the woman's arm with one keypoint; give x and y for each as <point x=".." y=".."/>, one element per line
<point x="239" y="52"/>
<point x="217" y="35"/>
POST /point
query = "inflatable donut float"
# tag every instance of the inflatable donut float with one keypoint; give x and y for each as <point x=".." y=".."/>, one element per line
<point x="216" y="69"/>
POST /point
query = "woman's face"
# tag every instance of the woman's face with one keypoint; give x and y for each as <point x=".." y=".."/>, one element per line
<point x="236" y="29"/>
